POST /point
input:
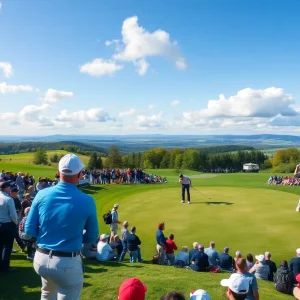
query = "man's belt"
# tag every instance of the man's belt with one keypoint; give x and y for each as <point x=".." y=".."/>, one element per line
<point x="58" y="253"/>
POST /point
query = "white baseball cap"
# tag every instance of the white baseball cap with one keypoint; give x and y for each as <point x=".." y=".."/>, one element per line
<point x="103" y="236"/>
<point x="237" y="283"/>
<point x="298" y="251"/>
<point x="70" y="164"/>
<point x="116" y="205"/>
<point x="260" y="257"/>
<point x="199" y="295"/>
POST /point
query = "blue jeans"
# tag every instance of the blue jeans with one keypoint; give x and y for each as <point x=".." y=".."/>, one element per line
<point x="124" y="245"/>
<point x="133" y="256"/>
<point x="170" y="259"/>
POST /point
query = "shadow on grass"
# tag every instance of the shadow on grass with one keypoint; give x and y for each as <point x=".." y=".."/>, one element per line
<point x="94" y="266"/>
<point x="92" y="189"/>
<point x="214" y="203"/>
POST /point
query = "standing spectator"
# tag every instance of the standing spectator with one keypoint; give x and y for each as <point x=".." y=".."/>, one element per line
<point x="249" y="261"/>
<point x="226" y="261"/>
<point x="8" y="222"/>
<point x="132" y="289"/>
<point x="271" y="265"/>
<point x="42" y="184"/>
<point x="213" y="256"/>
<point x="133" y="243"/>
<point x="186" y="183"/>
<point x="124" y="233"/>
<point x="261" y="270"/>
<point x="295" y="263"/>
<point x="170" y="247"/>
<point x="104" y="251"/>
<point x="237" y="287"/>
<point x="27" y="202"/>
<point x="20" y="184"/>
<point x="161" y="243"/>
<point x="114" y="220"/>
<point x="194" y="250"/>
<point x="199" y="261"/>
<point x="284" y="279"/>
<point x="241" y="267"/>
<point x="57" y="218"/>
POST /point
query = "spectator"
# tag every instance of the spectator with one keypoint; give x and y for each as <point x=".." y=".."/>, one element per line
<point x="104" y="251"/>
<point x="237" y="287"/>
<point x="173" y="296"/>
<point x="27" y="202"/>
<point x="199" y="295"/>
<point x="116" y="244"/>
<point x="194" y="250"/>
<point x="261" y="270"/>
<point x="161" y="243"/>
<point x="182" y="257"/>
<point x="296" y="290"/>
<point x="249" y="261"/>
<point x="271" y="265"/>
<point x="114" y="220"/>
<point x="295" y="263"/>
<point x="200" y="261"/>
<point x="133" y="243"/>
<point x="226" y="261"/>
<point x="284" y="279"/>
<point x="213" y="256"/>
<point x="238" y="254"/>
<point x="8" y="222"/>
<point x="124" y="233"/>
<point x="170" y="247"/>
<point x="132" y="289"/>
<point x="89" y="250"/>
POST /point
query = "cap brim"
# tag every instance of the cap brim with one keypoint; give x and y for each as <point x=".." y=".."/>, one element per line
<point x="225" y="282"/>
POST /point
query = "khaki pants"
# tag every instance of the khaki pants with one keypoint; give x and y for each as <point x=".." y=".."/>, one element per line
<point x="62" y="277"/>
<point x="161" y="254"/>
<point x="114" y="229"/>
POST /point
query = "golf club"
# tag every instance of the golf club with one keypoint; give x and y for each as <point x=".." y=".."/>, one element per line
<point x="201" y="193"/>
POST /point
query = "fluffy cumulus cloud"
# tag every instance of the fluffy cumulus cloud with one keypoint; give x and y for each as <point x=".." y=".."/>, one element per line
<point x="32" y="114"/>
<point x="6" y="67"/>
<point x="175" y="103"/>
<point x="151" y="106"/>
<point x="52" y="96"/>
<point x="141" y="66"/>
<point x="7" y="88"/>
<point x="128" y="113"/>
<point x="100" y="67"/>
<point x="248" y="107"/>
<point x="150" y="121"/>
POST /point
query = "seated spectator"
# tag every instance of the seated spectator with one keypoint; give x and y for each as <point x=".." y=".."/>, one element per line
<point x="249" y="261"/>
<point x="133" y="243"/>
<point x="193" y="250"/>
<point x="173" y="296"/>
<point x="295" y="263"/>
<point x="238" y="254"/>
<point x="115" y="244"/>
<point x="132" y="289"/>
<point x="296" y="290"/>
<point x="89" y="250"/>
<point x="261" y="270"/>
<point x="199" y="295"/>
<point x="226" y="261"/>
<point x="170" y="247"/>
<point x="27" y="240"/>
<point x="284" y="279"/>
<point x="237" y="287"/>
<point x="182" y="257"/>
<point x="104" y="251"/>
<point x="199" y="261"/>
<point x="271" y="265"/>
<point x="213" y="256"/>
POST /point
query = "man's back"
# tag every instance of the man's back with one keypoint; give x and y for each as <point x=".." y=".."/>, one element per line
<point x="213" y="256"/>
<point x="103" y="250"/>
<point x="201" y="260"/>
<point x="192" y="252"/>
<point x="226" y="261"/>
<point x="272" y="267"/>
<point x="253" y="287"/>
<point x="133" y="241"/>
<point x="295" y="265"/>
<point x="58" y="216"/>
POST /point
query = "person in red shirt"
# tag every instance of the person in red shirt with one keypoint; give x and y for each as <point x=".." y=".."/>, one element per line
<point x="170" y="247"/>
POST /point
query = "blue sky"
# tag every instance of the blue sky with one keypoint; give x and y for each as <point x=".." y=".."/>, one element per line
<point x="171" y="67"/>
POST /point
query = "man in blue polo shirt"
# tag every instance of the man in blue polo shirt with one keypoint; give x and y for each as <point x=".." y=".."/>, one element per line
<point x="57" y="218"/>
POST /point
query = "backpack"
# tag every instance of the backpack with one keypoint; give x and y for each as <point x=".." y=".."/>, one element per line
<point x="107" y="218"/>
<point x="284" y="283"/>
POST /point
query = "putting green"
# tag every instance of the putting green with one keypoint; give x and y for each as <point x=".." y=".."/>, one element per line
<point x="245" y="219"/>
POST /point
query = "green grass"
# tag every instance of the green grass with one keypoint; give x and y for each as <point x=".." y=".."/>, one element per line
<point x="243" y="213"/>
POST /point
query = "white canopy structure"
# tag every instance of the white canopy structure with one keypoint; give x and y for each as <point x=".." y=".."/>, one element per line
<point x="250" y="167"/>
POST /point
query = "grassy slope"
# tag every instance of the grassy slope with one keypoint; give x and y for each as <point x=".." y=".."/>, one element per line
<point x="256" y="221"/>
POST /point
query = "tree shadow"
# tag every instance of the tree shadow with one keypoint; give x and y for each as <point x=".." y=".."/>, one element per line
<point x="214" y="203"/>
<point x="92" y="189"/>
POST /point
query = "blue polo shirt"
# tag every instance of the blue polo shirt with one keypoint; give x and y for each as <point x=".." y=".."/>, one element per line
<point x="160" y="238"/>
<point x="58" y="216"/>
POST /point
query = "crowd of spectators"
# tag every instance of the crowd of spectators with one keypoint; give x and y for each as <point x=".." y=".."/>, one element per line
<point x="284" y="180"/>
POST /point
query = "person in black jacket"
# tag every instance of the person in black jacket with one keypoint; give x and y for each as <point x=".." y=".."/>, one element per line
<point x="295" y="263"/>
<point x="199" y="261"/>
<point x="284" y="279"/>
<point x="133" y="243"/>
<point x="271" y="265"/>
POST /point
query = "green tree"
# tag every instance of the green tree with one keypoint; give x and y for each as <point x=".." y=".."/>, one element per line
<point x="95" y="161"/>
<point x="54" y="158"/>
<point x="178" y="161"/>
<point x="191" y="159"/>
<point x="40" y="157"/>
<point x="114" y="158"/>
<point x="153" y="157"/>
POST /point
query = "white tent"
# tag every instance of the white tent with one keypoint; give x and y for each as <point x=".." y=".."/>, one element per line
<point x="250" y="167"/>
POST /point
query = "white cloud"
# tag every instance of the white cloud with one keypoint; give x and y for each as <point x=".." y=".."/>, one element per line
<point x="138" y="43"/>
<point x="109" y="43"/>
<point x="151" y="106"/>
<point x="175" y="103"/>
<point x="285" y="121"/>
<point x="142" y="66"/>
<point x="153" y="121"/>
<point x="6" y="66"/>
<point x="0" y="5"/>
<point x="52" y="95"/>
<point x="8" y="116"/>
<point x="100" y="67"/>
<point x="91" y="115"/>
<point x="128" y="113"/>
<point x="7" y="88"/>
<point x="31" y="113"/>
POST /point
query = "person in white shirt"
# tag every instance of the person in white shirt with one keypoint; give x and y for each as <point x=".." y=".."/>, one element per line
<point x="186" y="183"/>
<point x="104" y="251"/>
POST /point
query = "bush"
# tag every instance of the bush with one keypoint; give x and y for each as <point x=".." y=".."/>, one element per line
<point x="284" y="168"/>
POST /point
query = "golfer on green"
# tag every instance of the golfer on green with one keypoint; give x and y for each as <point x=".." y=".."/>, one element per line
<point x="186" y="183"/>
